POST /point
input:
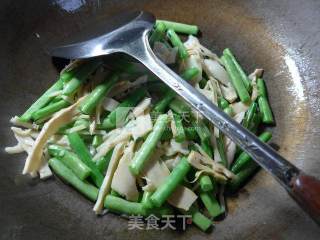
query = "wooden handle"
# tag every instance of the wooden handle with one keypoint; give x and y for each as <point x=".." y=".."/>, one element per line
<point x="306" y="191"/>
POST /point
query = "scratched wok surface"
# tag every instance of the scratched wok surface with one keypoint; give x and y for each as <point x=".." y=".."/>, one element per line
<point x="281" y="36"/>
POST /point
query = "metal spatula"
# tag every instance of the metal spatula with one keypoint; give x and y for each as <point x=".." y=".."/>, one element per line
<point x="128" y="33"/>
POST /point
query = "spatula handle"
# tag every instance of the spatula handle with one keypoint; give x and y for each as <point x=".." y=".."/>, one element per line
<point x="306" y="191"/>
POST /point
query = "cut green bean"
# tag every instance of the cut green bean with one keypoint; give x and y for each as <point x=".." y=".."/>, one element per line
<point x="265" y="109"/>
<point x="236" y="79"/>
<point x="80" y="76"/>
<point x="202" y="131"/>
<point x="145" y="151"/>
<point x="68" y="176"/>
<point x="166" y="135"/>
<point x="146" y="202"/>
<point x="170" y="183"/>
<point x="211" y="204"/>
<point x="180" y="136"/>
<point x="262" y="90"/>
<point x="49" y="110"/>
<point x="180" y="27"/>
<point x="256" y="120"/>
<point x="199" y="219"/>
<point x="119" y="205"/>
<point x="161" y="211"/>
<point x="247" y="121"/>
<point x="243" y="159"/>
<point x="97" y="140"/>
<point x="82" y="152"/>
<point x="222" y="103"/>
<point x="118" y="115"/>
<point x="158" y="33"/>
<point x="221" y="149"/>
<point x="206" y="184"/>
<point x="242" y="176"/>
<point x="246" y="81"/>
<point x="162" y="105"/>
<point x="70" y="160"/>
<point x="46" y="97"/>
<point x="190" y="73"/>
<point x="91" y="101"/>
<point x="103" y="162"/>
<point x="176" y="42"/>
<point x="191" y="133"/>
<point x="180" y="107"/>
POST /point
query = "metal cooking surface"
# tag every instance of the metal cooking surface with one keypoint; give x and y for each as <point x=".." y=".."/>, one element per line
<point x="280" y="36"/>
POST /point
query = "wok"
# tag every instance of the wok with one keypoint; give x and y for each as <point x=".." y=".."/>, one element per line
<point x="280" y="36"/>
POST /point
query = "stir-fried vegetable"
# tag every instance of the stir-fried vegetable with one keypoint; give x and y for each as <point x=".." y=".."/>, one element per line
<point x="129" y="143"/>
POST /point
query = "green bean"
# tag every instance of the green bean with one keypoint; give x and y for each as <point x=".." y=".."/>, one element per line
<point x="67" y="175"/>
<point x="119" y="205"/>
<point x="190" y="73"/>
<point x="49" y="109"/>
<point x="97" y="140"/>
<point x="118" y="115"/>
<point x="161" y="106"/>
<point x="91" y="101"/>
<point x="103" y="162"/>
<point x="82" y="152"/>
<point x="221" y="149"/>
<point x="265" y="109"/>
<point x="180" y="27"/>
<point x="46" y="97"/>
<point x="247" y="121"/>
<point x="80" y="76"/>
<point x="202" y="131"/>
<point x="211" y="203"/>
<point x="262" y="90"/>
<point x="158" y="33"/>
<point x="199" y="219"/>
<point x="170" y="183"/>
<point x="176" y="42"/>
<point x="179" y="106"/>
<point x="206" y="184"/>
<point x="243" y="159"/>
<point x="222" y="103"/>
<point x="191" y="133"/>
<point x="242" y="74"/>
<point x="146" y="202"/>
<point x="242" y="176"/>
<point x="70" y="160"/>
<point x="236" y="79"/>
<point x="256" y="120"/>
<point x="181" y="136"/>
<point x="165" y="209"/>
<point x="145" y="151"/>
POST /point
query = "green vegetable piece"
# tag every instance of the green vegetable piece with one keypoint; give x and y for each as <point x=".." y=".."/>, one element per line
<point x="118" y="115"/>
<point x="211" y="204"/>
<point x="190" y="73"/>
<point x="222" y="103"/>
<point x="199" y="219"/>
<point x="191" y="133"/>
<point x="94" y="98"/>
<point x="206" y="184"/>
<point x="247" y="121"/>
<point x="103" y="162"/>
<point x="82" y="152"/>
<point x="70" y="160"/>
<point x="176" y="42"/>
<point x="158" y="33"/>
<point x="236" y="79"/>
<point x="68" y="176"/>
<point x="262" y="90"/>
<point x="180" y="27"/>
<point x="49" y="110"/>
<point x="80" y="76"/>
<point x="97" y="140"/>
<point x="146" y="202"/>
<point x="243" y="159"/>
<point x="246" y="81"/>
<point x="119" y="205"/>
<point x="170" y="183"/>
<point x="242" y="176"/>
<point x="145" y="151"/>
<point x="181" y="136"/>
<point x="229" y="111"/>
